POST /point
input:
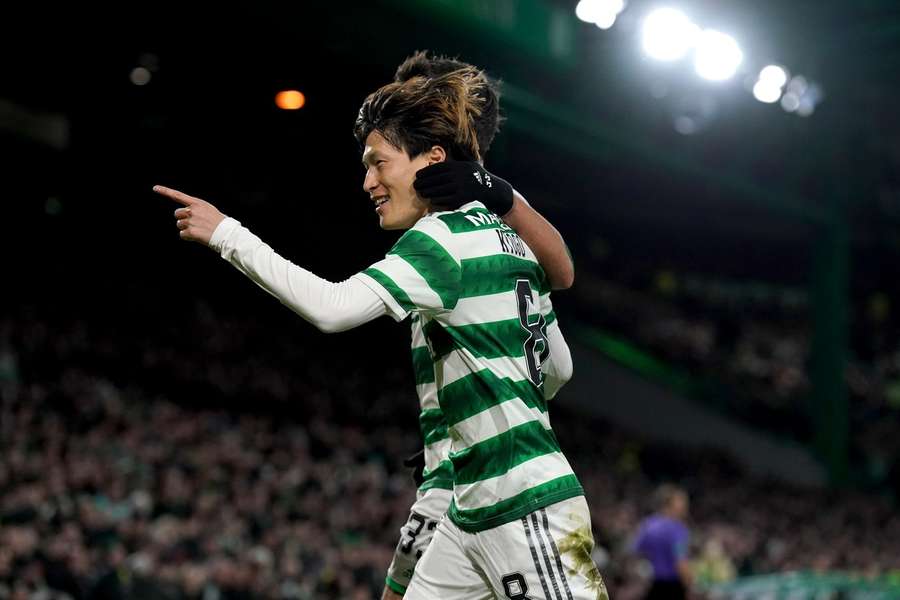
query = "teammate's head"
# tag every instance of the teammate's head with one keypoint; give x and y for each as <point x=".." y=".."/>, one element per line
<point x="405" y="126"/>
<point x="672" y="501"/>
<point x="487" y="124"/>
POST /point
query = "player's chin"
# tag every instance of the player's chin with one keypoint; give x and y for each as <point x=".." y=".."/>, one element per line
<point x="388" y="224"/>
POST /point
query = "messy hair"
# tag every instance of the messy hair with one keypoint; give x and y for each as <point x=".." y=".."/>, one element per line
<point x="422" y="112"/>
<point x="420" y="64"/>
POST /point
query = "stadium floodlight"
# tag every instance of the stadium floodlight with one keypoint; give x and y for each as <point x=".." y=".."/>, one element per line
<point x="668" y="34"/>
<point x="606" y="20"/>
<point x="765" y="91"/>
<point x="588" y="10"/>
<point x="612" y="6"/>
<point x="717" y="56"/>
<point x="601" y="12"/>
<point x="772" y="78"/>
<point x="774" y="75"/>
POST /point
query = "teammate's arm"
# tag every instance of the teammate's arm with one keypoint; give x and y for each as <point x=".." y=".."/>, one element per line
<point x="450" y="184"/>
<point x="544" y="240"/>
<point x="329" y="306"/>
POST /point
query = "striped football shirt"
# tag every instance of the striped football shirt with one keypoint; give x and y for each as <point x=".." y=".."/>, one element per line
<point x="481" y="310"/>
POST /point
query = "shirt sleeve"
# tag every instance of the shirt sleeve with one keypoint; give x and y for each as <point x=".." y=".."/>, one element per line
<point x="329" y="306"/>
<point x="419" y="274"/>
<point x="558" y="367"/>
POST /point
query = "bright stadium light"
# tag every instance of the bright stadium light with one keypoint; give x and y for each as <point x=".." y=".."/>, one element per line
<point x="613" y="6"/>
<point x="606" y="20"/>
<point x="717" y="56"/>
<point x="588" y="10"/>
<point x="765" y="91"/>
<point x="668" y="34"/>
<point x="774" y="75"/>
<point x="772" y="78"/>
<point x="601" y="12"/>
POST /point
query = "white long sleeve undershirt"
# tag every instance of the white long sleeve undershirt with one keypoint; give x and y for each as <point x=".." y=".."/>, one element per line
<point x="330" y="307"/>
<point x="333" y="307"/>
<point x="558" y="368"/>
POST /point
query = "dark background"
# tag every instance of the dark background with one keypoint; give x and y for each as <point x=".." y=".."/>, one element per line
<point x="762" y="222"/>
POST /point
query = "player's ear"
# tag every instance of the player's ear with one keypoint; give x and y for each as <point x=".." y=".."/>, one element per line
<point x="436" y="154"/>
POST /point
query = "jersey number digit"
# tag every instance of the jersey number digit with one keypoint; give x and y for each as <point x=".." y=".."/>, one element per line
<point x="515" y="587"/>
<point x="412" y="531"/>
<point x="537" y="332"/>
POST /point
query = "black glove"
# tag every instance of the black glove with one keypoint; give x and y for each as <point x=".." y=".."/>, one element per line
<point x="450" y="184"/>
<point x="417" y="463"/>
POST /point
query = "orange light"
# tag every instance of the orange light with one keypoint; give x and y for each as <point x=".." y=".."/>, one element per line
<point x="290" y="100"/>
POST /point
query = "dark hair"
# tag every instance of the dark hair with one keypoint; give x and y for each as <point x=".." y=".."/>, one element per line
<point x="665" y="494"/>
<point x="422" y="112"/>
<point x="420" y="64"/>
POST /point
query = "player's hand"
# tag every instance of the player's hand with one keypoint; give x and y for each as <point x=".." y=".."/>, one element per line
<point x="196" y="219"/>
<point x="452" y="183"/>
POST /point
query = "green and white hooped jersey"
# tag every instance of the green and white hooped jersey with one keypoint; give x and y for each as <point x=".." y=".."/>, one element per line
<point x="438" y="468"/>
<point x="481" y="308"/>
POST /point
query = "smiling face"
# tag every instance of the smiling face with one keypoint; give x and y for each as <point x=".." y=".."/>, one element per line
<point x="390" y="173"/>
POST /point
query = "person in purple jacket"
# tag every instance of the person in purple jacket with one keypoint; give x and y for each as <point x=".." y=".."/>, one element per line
<point x="662" y="539"/>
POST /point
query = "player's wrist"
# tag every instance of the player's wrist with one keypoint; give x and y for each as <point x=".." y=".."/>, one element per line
<point x="221" y="232"/>
<point x="499" y="195"/>
<point x="394" y="586"/>
<point x="449" y="185"/>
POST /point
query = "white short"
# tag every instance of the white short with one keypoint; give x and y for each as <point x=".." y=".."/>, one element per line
<point x="415" y="535"/>
<point x="545" y="555"/>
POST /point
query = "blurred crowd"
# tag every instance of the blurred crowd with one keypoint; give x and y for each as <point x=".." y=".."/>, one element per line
<point x="748" y="348"/>
<point x="269" y="465"/>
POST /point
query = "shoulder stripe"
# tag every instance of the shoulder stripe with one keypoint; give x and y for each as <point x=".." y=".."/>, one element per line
<point x="432" y="262"/>
<point x="392" y="288"/>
